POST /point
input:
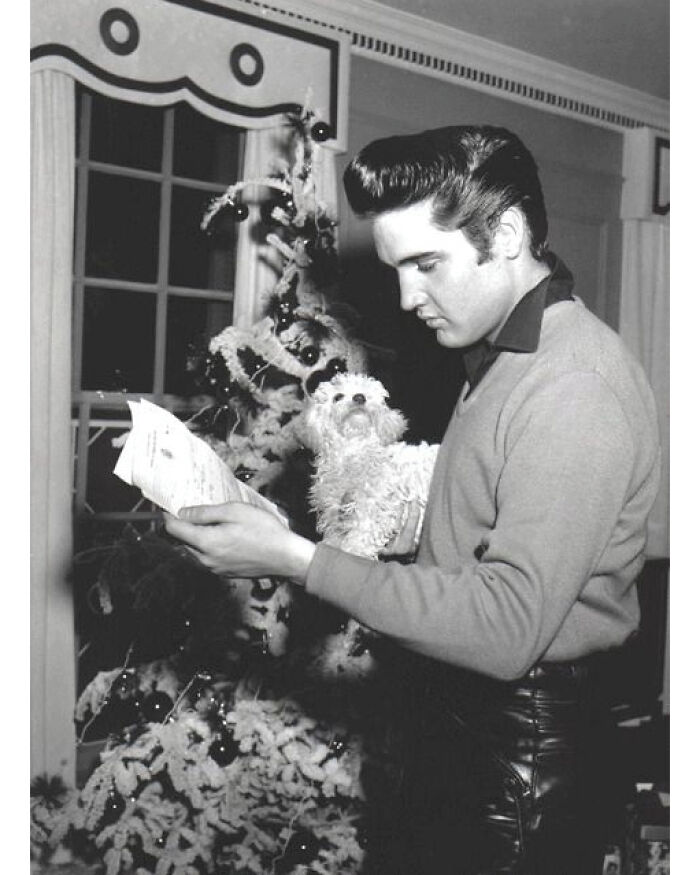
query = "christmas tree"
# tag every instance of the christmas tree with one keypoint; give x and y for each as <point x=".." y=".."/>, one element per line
<point x="227" y="752"/>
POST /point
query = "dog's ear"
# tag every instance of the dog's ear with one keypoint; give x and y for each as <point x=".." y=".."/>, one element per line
<point x="308" y="426"/>
<point x="390" y="426"/>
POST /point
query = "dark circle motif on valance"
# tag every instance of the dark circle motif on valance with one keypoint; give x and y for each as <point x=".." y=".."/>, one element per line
<point x="247" y="51"/>
<point x="113" y="41"/>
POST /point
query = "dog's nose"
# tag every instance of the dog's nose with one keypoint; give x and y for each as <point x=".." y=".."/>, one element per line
<point x="359" y="398"/>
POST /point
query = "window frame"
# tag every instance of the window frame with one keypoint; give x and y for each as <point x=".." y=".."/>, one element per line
<point x="95" y="410"/>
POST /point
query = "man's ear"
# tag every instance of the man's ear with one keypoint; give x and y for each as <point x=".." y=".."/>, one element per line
<point x="511" y="234"/>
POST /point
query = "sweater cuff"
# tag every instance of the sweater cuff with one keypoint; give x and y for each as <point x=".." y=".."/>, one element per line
<point x="338" y="577"/>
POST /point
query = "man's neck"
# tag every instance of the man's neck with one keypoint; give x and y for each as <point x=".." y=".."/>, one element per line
<point x="525" y="272"/>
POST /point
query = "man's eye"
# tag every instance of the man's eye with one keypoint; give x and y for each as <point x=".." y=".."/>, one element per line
<point x="426" y="266"/>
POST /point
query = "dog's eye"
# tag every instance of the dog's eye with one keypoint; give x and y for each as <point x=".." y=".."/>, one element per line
<point x="338" y="397"/>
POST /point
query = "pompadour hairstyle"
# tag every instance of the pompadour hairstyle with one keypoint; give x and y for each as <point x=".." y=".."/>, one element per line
<point x="473" y="174"/>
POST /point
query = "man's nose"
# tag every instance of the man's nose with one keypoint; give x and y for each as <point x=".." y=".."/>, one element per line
<point x="409" y="295"/>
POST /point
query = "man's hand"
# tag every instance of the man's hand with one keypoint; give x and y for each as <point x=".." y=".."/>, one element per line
<point x="241" y="540"/>
<point x="404" y="544"/>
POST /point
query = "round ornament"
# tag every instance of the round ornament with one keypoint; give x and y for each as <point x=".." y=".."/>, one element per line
<point x="156" y="706"/>
<point x="309" y="356"/>
<point x="284" y="320"/>
<point x="114" y="808"/>
<point x="263" y="589"/>
<point x="124" y="684"/>
<point x="240" y="212"/>
<point x="321" y="131"/>
<point x="302" y="848"/>
<point x="224" y="749"/>
<point x="286" y="201"/>
<point x="338" y="745"/>
<point x="244" y="474"/>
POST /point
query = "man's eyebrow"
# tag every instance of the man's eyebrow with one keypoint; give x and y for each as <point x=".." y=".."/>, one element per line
<point x="408" y="259"/>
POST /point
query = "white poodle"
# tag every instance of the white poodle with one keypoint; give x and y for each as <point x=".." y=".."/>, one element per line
<point x="363" y="481"/>
<point x="365" y="476"/>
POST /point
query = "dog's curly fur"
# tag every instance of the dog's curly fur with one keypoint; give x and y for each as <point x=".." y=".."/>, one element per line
<point x="364" y="478"/>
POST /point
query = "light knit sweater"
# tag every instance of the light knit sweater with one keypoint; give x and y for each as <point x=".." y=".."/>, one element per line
<point x="536" y="523"/>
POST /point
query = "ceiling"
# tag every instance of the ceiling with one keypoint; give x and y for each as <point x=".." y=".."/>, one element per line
<point x="627" y="41"/>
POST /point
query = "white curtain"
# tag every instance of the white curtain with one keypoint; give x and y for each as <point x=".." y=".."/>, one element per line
<point x="645" y="327"/>
<point x="52" y="640"/>
<point x="257" y="263"/>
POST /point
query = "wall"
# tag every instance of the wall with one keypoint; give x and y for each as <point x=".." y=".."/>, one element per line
<point x="580" y="167"/>
<point x="626" y="41"/>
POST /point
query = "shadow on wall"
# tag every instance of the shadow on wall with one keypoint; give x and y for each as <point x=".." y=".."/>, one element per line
<point x="423" y="378"/>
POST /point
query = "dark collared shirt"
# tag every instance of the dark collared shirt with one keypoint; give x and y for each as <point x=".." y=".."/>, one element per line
<point x="521" y="330"/>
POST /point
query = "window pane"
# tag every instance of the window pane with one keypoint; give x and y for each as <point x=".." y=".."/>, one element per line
<point x="205" y="149"/>
<point x="192" y="323"/>
<point x="105" y="491"/>
<point x="197" y="259"/>
<point x="127" y="134"/>
<point x="122" y="228"/>
<point x="118" y="340"/>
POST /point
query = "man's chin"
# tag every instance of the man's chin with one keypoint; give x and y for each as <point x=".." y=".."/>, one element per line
<point x="445" y="338"/>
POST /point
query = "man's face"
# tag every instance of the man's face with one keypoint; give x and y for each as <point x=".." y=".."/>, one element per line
<point x="440" y="277"/>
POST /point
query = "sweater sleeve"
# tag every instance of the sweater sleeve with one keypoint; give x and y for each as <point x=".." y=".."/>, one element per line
<point x="567" y="471"/>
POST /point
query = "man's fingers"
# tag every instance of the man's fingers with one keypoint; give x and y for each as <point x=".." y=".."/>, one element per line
<point x="188" y="533"/>
<point x="206" y="514"/>
<point x="406" y="540"/>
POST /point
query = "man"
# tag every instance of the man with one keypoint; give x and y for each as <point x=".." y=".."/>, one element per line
<point x="523" y="582"/>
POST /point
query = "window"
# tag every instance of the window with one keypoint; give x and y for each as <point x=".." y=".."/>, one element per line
<point x="149" y="285"/>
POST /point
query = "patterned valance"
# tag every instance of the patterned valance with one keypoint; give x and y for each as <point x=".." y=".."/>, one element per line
<point x="231" y="65"/>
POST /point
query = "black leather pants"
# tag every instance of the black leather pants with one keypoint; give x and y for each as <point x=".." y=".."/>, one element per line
<point x="508" y="778"/>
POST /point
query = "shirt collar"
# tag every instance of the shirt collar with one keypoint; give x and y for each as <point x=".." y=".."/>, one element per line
<point x="521" y="330"/>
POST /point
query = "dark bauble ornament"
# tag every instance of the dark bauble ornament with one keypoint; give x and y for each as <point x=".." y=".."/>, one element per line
<point x="125" y="684"/>
<point x="321" y="131"/>
<point x="262" y="590"/>
<point x="244" y="474"/>
<point x="239" y="212"/>
<point x="309" y="356"/>
<point x="284" y="320"/>
<point x="302" y="848"/>
<point x="286" y="201"/>
<point x="156" y="706"/>
<point x="114" y="808"/>
<point x="124" y="711"/>
<point x="360" y="645"/>
<point x="338" y="745"/>
<point x="224" y="749"/>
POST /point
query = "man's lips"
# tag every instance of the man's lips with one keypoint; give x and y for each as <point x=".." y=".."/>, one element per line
<point x="430" y="319"/>
<point x="433" y="321"/>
